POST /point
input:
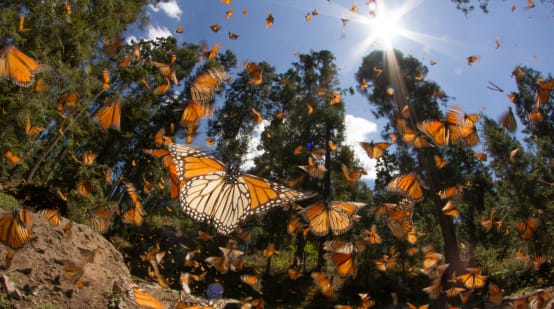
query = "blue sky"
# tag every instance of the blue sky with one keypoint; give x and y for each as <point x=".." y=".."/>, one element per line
<point x="432" y="30"/>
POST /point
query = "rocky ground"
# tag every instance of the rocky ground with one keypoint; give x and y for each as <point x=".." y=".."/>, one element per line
<point x="59" y="269"/>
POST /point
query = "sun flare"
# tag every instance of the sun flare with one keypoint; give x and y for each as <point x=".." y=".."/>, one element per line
<point x="385" y="26"/>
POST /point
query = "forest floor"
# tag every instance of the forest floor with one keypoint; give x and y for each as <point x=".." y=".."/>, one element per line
<point x="82" y="269"/>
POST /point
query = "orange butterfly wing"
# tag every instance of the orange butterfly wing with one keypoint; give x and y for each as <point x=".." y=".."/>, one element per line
<point x="109" y="116"/>
<point x="408" y="186"/>
<point x="17" y="66"/>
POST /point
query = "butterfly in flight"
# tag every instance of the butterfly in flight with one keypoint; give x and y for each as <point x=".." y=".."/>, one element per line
<point x="211" y="191"/>
<point x="17" y="66"/>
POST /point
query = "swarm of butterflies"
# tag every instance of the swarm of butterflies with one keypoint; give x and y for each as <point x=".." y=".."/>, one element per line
<point x="209" y="191"/>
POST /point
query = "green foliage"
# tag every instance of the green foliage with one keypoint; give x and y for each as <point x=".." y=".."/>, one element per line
<point x="8" y="202"/>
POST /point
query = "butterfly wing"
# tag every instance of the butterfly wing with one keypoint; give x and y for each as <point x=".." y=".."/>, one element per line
<point x="109" y="116"/>
<point x="317" y="216"/>
<point x="15" y="228"/>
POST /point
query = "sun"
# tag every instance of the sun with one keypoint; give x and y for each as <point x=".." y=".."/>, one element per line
<point x="385" y="26"/>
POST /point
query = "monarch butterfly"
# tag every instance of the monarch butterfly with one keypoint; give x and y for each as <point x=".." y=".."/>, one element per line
<point x="323" y="283"/>
<point x="371" y="236"/>
<point x="200" y="277"/>
<point x="15" y="228"/>
<point x="142" y="298"/>
<point x="343" y="261"/>
<point x="32" y="130"/>
<point x="229" y="13"/>
<point x="535" y="116"/>
<point x="354" y="176"/>
<point x="336" y="217"/>
<point x="254" y="281"/>
<point x="40" y="85"/>
<point x="21" y="27"/>
<point x="410" y="306"/>
<point x="12" y="158"/>
<point x="67" y="229"/>
<point x="528" y="229"/>
<point x="450" y="210"/>
<point x="487" y="223"/>
<point x="105" y="79"/>
<point x="255" y="72"/>
<point x="310" y="109"/>
<point x="179" y="29"/>
<point x="133" y="215"/>
<point x="88" y="157"/>
<point x="386" y="262"/>
<point x="508" y="120"/>
<point x="189" y="257"/>
<point x="269" y="20"/>
<point x="473" y="278"/>
<point x="84" y="187"/>
<point x="336" y="97"/>
<point x="414" y="138"/>
<point x="294" y="226"/>
<point x="444" y="132"/>
<point x="338" y="246"/>
<point x="111" y="46"/>
<point x="220" y="264"/>
<point x="481" y="156"/>
<point x="17" y="66"/>
<point x="308" y="17"/>
<point x="270" y="250"/>
<point x="469" y="120"/>
<point x="108" y="176"/>
<point x="167" y="70"/>
<point x="233" y="36"/>
<point x="453" y="291"/>
<point x="316" y="171"/>
<point x="52" y="215"/>
<point x="163" y="88"/>
<point x="294" y="274"/>
<point x="212" y="192"/>
<point x="74" y="274"/>
<point x="258" y="115"/>
<point x="192" y="113"/>
<point x="364" y="84"/>
<point x="203" y="236"/>
<point x="109" y="116"/>
<point x="67" y="103"/>
<point x="472" y="59"/>
<point x="100" y="219"/>
<point x="434" y="290"/>
<point x="431" y="258"/>
<point x="439" y="162"/>
<point x="215" y="27"/>
<point x="453" y="192"/>
<point x="407" y="185"/>
<point x="544" y="88"/>
<point x="376" y="150"/>
<point x="210" y="54"/>
<point x="206" y="83"/>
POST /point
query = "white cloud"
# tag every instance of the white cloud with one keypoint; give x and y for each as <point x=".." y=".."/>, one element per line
<point x="253" y="151"/>
<point x="170" y="8"/>
<point x="358" y="130"/>
<point x="154" y="32"/>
